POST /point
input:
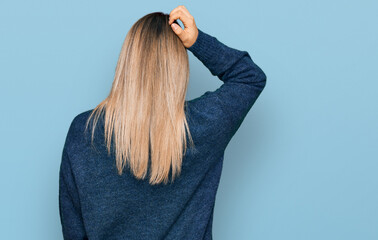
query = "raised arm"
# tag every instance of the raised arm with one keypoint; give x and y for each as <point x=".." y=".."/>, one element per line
<point x="222" y="111"/>
<point x="229" y="64"/>
<point x="243" y="82"/>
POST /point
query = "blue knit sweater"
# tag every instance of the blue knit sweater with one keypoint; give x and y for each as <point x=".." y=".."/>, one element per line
<point x="97" y="203"/>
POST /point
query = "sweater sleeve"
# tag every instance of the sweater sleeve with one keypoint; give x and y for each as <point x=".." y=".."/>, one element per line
<point x="225" y="108"/>
<point x="69" y="203"/>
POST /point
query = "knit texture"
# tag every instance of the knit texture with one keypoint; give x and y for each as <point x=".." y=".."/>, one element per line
<point x="97" y="203"/>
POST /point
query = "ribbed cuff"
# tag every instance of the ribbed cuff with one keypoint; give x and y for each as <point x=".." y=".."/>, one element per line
<point x="215" y="55"/>
<point x="202" y="46"/>
<point x="198" y="41"/>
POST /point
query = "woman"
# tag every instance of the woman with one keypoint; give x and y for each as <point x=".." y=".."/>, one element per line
<point x="172" y="149"/>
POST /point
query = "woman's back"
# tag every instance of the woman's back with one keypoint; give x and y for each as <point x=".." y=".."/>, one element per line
<point x="97" y="203"/>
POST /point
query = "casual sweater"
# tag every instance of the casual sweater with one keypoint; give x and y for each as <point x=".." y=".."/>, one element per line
<point x="97" y="203"/>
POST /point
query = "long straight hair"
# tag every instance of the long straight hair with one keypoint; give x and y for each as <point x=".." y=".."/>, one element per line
<point x="144" y="111"/>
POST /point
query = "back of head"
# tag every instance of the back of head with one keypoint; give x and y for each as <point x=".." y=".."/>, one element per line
<point x="144" y="112"/>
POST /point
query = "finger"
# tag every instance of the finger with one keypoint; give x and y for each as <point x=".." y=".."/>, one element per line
<point x="170" y="16"/>
<point x="177" y="29"/>
<point x="179" y="15"/>
<point x="181" y="9"/>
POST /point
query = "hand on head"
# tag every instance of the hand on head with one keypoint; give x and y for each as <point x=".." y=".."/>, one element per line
<point x="189" y="34"/>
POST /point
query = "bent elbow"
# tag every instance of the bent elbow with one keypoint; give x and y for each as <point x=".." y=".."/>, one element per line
<point x="260" y="81"/>
<point x="263" y="78"/>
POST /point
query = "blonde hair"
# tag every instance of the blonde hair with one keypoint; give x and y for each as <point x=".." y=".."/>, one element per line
<point x="144" y="111"/>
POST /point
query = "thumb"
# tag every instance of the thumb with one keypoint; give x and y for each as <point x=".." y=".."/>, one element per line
<point x="176" y="28"/>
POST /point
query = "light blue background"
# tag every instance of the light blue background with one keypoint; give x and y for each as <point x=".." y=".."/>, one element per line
<point x="303" y="164"/>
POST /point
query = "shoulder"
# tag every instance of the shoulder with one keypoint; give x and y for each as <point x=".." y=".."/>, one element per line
<point x="77" y="126"/>
<point x="80" y="119"/>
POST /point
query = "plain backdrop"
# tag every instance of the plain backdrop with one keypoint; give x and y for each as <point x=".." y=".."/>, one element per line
<point x="303" y="164"/>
